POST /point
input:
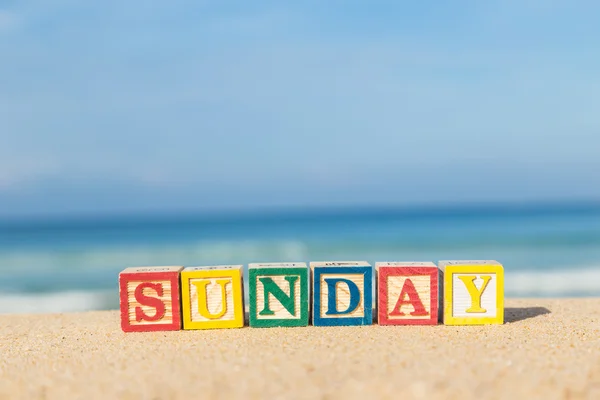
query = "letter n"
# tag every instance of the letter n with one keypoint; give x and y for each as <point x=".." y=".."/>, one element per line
<point x="271" y="288"/>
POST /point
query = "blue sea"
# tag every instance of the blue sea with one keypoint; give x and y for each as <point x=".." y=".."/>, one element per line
<point x="73" y="264"/>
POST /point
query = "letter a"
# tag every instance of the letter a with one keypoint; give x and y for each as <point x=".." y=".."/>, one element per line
<point x="201" y="289"/>
<point x="475" y="294"/>
<point x="353" y="293"/>
<point x="408" y="289"/>
<point x="144" y="300"/>
<point x="288" y="302"/>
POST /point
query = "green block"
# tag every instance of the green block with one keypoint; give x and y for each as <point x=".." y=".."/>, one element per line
<point x="278" y="294"/>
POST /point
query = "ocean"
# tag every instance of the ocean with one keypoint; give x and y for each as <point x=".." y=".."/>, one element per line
<point x="73" y="264"/>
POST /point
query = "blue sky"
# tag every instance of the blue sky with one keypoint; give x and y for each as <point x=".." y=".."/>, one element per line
<point x="116" y="107"/>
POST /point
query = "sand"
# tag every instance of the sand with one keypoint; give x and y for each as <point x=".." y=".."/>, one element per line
<point x="547" y="349"/>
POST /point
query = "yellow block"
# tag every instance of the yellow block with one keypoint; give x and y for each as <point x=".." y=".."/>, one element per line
<point x="212" y="297"/>
<point x="473" y="292"/>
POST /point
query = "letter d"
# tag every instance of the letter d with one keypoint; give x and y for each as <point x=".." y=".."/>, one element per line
<point x="332" y="288"/>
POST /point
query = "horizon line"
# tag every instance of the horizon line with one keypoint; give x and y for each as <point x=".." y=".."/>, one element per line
<point x="296" y="212"/>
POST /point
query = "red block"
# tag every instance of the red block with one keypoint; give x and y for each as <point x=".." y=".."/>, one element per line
<point x="150" y="299"/>
<point x="407" y="293"/>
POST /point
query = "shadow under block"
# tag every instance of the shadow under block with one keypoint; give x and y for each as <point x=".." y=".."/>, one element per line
<point x="212" y="297"/>
<point x="342" y="293"/>
<point x="149" y="298"/>
<point x="407" y="293"/>
<point x="473" y="292"/>
<point x="278" y="294"/>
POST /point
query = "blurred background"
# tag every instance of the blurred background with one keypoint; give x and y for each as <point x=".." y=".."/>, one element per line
<point x="217" y="132"/>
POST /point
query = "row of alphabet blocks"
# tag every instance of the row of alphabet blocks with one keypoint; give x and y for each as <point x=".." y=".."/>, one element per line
<point x="408" y="293"/>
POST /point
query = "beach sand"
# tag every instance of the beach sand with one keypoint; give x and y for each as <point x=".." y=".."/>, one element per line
<point x="547" y="349"/>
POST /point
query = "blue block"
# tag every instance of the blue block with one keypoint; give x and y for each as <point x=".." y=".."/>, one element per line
<point x="342" y="293"/>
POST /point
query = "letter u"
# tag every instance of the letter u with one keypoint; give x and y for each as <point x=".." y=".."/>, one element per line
<point x="201" y="289"/>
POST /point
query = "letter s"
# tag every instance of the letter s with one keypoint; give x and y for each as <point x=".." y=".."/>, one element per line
<point x="149" y="301"/>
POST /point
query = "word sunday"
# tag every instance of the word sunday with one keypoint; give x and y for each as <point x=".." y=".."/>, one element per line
<point x="326" y="294"/>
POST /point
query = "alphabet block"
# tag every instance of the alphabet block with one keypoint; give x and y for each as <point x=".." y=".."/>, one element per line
<point x="342" y="293"/>
<point x="473" y="292"/>
<point x="278" y="294"/>
<point x="149" y="299"/>
<point x="212" y="297"/>
<point x="407" y="293"/>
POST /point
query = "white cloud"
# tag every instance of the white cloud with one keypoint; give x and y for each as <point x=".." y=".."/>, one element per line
<point x="18" y="172"/>
<point x="8" y="20"/>
<point x="252" y="24"/>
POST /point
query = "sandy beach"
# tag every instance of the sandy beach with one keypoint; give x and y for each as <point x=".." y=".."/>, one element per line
<point x="547" y="349"/>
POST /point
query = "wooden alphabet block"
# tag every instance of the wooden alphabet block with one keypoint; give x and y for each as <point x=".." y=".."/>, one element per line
<point x="342" y="293"/>
<point x="278" y="294"/>
<point x="212" y="297"/>
<point x="473" y="292"/>
<point x="149" y="299"/>
<point x="407" y="293"/>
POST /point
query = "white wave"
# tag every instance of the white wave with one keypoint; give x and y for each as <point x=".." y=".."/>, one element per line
<point x="569" y="281"/>
<point x="222" y="252"/>
<point x="69" y="301"/>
